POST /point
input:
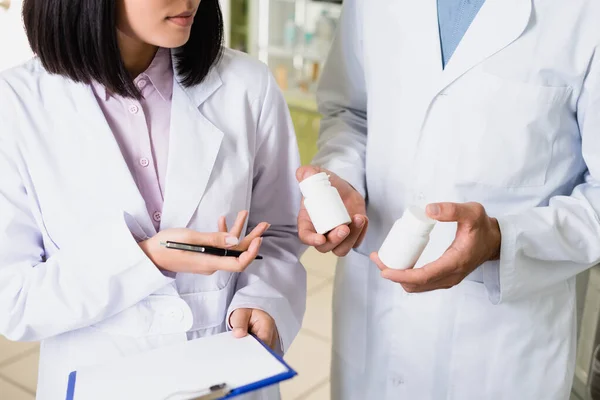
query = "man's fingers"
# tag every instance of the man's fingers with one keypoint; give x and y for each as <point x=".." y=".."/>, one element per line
<point x="447" y="268"/>
<point x="454" y="212"/>
<point x="240" y="321"/>
<point x="440" y="274"/>
<point x="306" y="171"/>
<point x="356" y="231"/>
<point x="418" y="277"/>
<point x="306" y="230"/>
<point x="334" y="238"/>
<point x="362" y="233"/>
<point x="375" y="258"/>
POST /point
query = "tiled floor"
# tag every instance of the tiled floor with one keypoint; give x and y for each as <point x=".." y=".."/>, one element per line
<point x="18" y="370"/>
<point x="309" y="355"/>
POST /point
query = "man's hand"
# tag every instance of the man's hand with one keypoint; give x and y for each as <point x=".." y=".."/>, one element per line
<point x="478" y="240"/>
<point x="343" y="238"/>
<point x="257" y="322"/>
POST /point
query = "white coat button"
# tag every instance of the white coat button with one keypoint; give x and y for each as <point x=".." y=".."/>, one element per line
<point x="144" y="162"/>
<point x="134" y="109"/>
<point x="142" y="83"/>
<point x="421" y="196"/>
<point x="176" y="315"/>
<point x="157" y="216"/>
<point x="397" y="381"/>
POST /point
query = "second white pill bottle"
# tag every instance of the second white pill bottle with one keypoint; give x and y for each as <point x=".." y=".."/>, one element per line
<point x="323" y="203"/>
<point x="407" y="239"/>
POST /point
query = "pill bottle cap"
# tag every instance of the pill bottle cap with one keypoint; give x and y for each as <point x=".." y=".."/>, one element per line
<point x="314" y="184"/>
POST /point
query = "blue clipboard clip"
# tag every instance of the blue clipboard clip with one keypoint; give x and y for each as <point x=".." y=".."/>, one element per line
<point x="289" y="374"/>
<point x="222" y="391"/>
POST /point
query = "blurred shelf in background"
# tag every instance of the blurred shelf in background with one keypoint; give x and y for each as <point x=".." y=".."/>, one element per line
<point x="293" y="38"/>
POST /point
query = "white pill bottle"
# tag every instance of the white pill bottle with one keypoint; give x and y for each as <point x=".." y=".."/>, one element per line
<point x="323" y="203"/>
<point x="407" y="239"/>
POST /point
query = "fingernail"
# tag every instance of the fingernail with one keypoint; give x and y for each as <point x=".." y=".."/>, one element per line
<point x="343" y="233"/>
<point x="232" y="241"/>
<point x="359" y="221"/>
<point x="239" y="332"/>
<point x="310" y="172"/>
<point x="433" y="210"/>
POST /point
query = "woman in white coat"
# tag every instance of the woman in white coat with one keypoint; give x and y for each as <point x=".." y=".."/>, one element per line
<point x="110" y="143"/>
<point x="503" y="148"/>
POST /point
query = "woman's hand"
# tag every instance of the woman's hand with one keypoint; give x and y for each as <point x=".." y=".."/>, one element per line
<point x="197" y="263"/>
<point x="257" y="322"/>
<point x="236" y="230"/>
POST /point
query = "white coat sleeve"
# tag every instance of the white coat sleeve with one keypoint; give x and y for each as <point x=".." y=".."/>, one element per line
<point x="544" y="246"/>
<point x="85" y="282"/>
<point x="276" y="284"/>
<point x="342" y="100"/>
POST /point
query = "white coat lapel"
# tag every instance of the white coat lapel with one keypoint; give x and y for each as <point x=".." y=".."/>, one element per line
<point x="417" y="31"/>
<point x="194" y="144"/>
<point x="111" y="172"/>
<point x="498" y="24"/>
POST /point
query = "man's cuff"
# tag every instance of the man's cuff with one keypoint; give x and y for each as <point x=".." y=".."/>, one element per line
<point x="351" y="174"/>
<point x="499" y="276"/>
<point x="491" y="280"/>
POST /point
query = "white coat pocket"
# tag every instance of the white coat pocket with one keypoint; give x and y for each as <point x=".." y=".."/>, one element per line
<point x="507" y="130"/>
<point x="158" y="314"/>
<point x="209" y="308"/>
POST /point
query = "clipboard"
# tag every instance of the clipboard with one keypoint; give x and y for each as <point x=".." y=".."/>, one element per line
<point x="231" y="367"/>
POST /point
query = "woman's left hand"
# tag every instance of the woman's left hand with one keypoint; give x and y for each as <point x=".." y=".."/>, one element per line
<point x="236" y="230"/>
<point x="257" y="322"/>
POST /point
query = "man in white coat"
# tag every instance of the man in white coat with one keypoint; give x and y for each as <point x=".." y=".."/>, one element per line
<point x="499" y="138"/>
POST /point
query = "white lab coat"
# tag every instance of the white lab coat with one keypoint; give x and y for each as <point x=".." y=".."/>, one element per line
<point x="71" y="273"/>
<point x="513" y="122"/>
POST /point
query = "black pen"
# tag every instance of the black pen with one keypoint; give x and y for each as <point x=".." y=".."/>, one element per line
<point x="213" y="251"/>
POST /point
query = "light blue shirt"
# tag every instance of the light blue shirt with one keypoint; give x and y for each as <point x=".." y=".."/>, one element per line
<point x="454" y="18"/>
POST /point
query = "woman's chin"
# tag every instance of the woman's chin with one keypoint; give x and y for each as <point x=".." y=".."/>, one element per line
<point x="172" y="40"/>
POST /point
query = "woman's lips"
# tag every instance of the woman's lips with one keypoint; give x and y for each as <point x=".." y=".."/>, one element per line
<point x="184" y="20"/>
